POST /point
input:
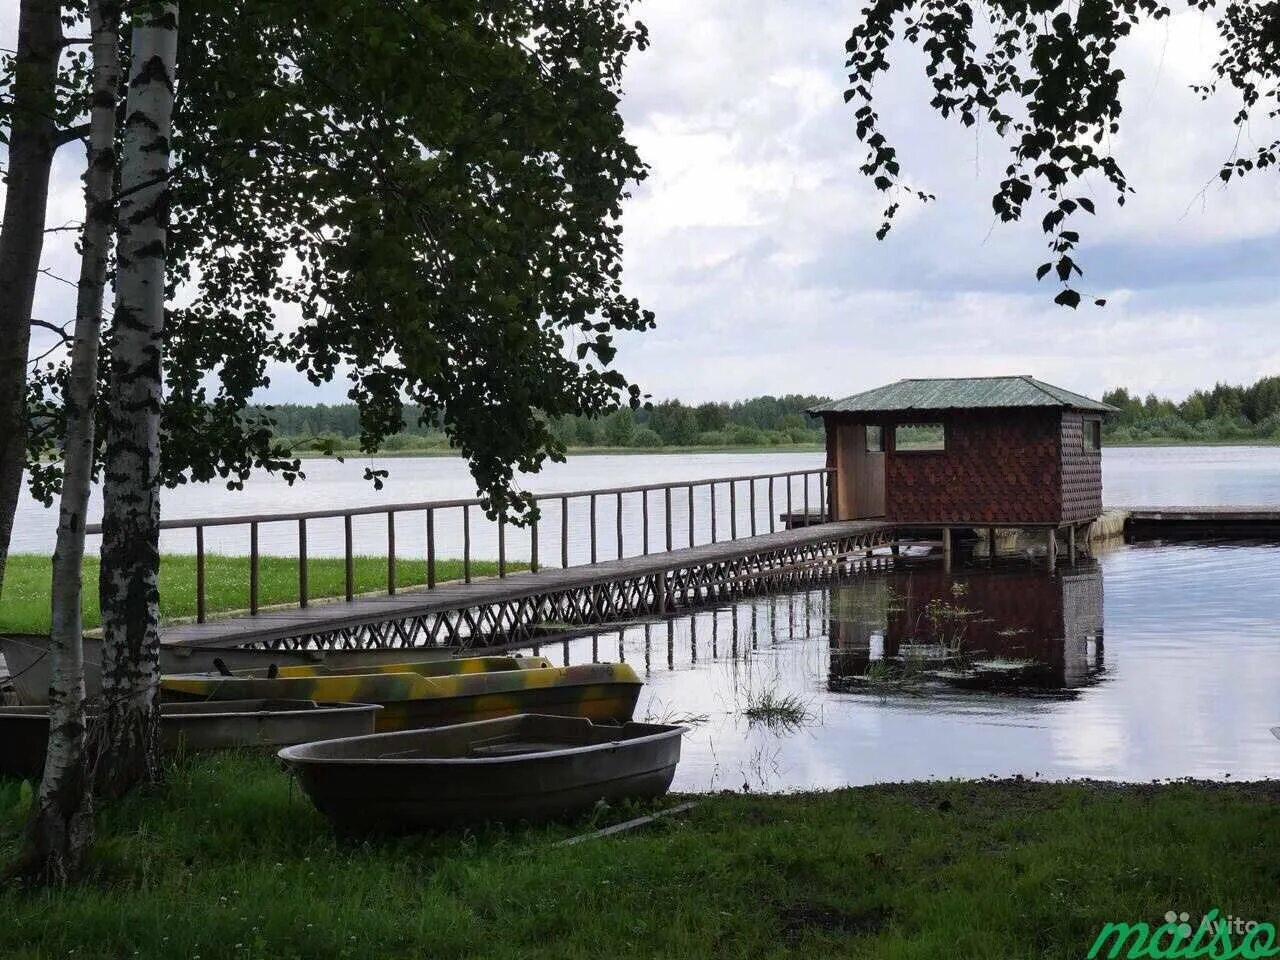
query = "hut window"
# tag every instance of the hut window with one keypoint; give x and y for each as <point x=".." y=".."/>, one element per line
<point x="1093" y="434"/>
<point x="875" y="439"/>
<point x="919" y="437"/>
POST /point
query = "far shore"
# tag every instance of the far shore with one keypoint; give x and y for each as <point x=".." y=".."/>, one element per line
<point x="790" y="448"/>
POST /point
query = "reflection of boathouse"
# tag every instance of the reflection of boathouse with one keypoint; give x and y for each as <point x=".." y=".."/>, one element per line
<point x="1000" y="618"/>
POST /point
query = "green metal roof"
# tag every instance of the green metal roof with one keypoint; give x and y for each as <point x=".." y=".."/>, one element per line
<point x="962" y="393"/>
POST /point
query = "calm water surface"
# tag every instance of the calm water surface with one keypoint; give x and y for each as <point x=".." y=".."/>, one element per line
<point x="1153" y="661"/>
<point x="1154" y="476"/>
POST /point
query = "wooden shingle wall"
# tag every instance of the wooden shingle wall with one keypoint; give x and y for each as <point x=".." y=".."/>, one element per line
<point x="1081" y="471"/>
<point x="1000" y="467"/>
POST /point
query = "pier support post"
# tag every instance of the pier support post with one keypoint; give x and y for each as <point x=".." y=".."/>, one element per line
<point x="1071" y="543"/>
<point x="946" y="548"/>
<point x="660" y="591"/>
<point x="1052" y="545"/>
<point x="991" y="545"/>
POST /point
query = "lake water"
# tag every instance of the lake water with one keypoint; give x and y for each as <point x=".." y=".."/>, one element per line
<point x="1154" y="476"/>
<point x="1153" y="661"/>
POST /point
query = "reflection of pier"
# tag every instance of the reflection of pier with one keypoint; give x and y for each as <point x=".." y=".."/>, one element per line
<point x="1040" y="631"/>
<point x="708" y="633"/>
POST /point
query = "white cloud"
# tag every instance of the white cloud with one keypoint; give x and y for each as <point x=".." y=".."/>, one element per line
<point x="753" y="237"/>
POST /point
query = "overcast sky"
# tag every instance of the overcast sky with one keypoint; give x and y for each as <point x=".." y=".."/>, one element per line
<point x="753" y="241"/>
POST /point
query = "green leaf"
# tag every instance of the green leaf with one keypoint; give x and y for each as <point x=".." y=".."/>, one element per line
<point x="1067" y="298"/>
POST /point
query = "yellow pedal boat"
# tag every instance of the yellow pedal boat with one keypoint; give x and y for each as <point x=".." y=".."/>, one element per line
<point x="436" y="692"/>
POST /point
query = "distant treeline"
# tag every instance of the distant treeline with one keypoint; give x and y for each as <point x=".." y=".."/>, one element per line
<point x="759" y="422"/>
<point x="1225" y="413"/>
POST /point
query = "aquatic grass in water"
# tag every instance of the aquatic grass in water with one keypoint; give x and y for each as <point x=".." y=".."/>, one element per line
<point x="773" y="709"/>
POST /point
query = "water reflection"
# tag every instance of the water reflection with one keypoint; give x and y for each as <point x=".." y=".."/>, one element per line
<point x="1187" y="686"/>
<point x="1012" y="629"/>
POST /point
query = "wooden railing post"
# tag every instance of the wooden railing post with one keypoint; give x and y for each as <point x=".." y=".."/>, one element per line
<point x="466" y="544"/>
<point x="199" y="574"/>
<point x="564" y="531"/>
<point x="751" y="504"/>
<point x="302" y="562"/>
<point x="805" y="480"/>
<point x="691" y="514"/>
<point x="733" y="510"/>
<point x="667" y="497"/>
<point x="713" y="511"/>
<point x="772" y="510"/>
<point x="349" y="564"/>
<point x="253" y="568"/>
<point x="533" y="543"/>
<point x="431" y="548"/>
<point x="620" y="551"/>
<point x="391" y="552"/>
<point x="593" y="528"/>
<point x="502" y="543"/>
<point x="644" y="521"/>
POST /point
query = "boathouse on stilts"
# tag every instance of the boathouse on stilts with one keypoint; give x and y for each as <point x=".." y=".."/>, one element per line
<point x="968" y="457"/>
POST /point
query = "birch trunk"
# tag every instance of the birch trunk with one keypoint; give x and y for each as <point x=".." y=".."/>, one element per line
<point x="62" y="821"/>
<point x="127" y="747"/>
<point x="32" y="142"/>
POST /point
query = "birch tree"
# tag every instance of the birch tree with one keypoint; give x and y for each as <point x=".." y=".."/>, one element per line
<point x="33" y="138"/>
<point x="62" y="821"/>
<point x="127" y="737"/>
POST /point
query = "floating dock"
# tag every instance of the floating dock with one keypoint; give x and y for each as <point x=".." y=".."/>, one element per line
<point x="1148" y="523"/>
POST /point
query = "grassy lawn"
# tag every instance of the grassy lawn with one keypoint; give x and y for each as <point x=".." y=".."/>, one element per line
<point x="227" y="860"/>
<point x="25" y="608"/>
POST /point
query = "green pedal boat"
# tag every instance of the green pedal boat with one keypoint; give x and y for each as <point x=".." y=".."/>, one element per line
<point x="434" y="693"/>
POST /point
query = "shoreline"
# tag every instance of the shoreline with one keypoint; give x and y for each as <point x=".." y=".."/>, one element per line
<point x="792" y="448"/>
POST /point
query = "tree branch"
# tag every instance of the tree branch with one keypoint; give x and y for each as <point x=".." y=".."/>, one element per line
<point x="53" y="276"/>
<point x="68" y="134"/>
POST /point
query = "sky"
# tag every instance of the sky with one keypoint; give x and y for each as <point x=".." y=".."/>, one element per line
<point x="753" y="237"/>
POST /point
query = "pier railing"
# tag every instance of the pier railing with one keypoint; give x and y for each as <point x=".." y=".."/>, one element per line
<point x="574" y="528"/>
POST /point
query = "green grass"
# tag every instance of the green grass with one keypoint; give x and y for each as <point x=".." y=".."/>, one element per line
<point x="25" y="607"/>
<point x="229" y="860"/>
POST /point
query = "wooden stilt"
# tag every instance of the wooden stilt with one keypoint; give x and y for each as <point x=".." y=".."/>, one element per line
<point x="1052" y="544"/>
<point x="991" y="544"/>
<point x="946" y="548"/>
<point x="1071" y="543"/>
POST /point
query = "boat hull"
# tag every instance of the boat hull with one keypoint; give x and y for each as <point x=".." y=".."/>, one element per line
<point x="27" y="657"/>
<point x="521" y="768"/>
<point x="605" y="692"/>
<point x="24" y="731"/>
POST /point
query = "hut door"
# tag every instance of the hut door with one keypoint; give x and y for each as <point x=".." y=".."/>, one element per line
<point x="861" y="477"/>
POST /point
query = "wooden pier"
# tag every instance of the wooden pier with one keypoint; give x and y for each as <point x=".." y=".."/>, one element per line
<point x="622" y="552"/>
<point x="523" y="606"/>
<point x="673" y="545"/>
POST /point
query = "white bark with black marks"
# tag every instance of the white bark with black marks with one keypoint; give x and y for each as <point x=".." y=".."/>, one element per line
<point x="62" y="821"/>
<point x="128" y="753"/>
